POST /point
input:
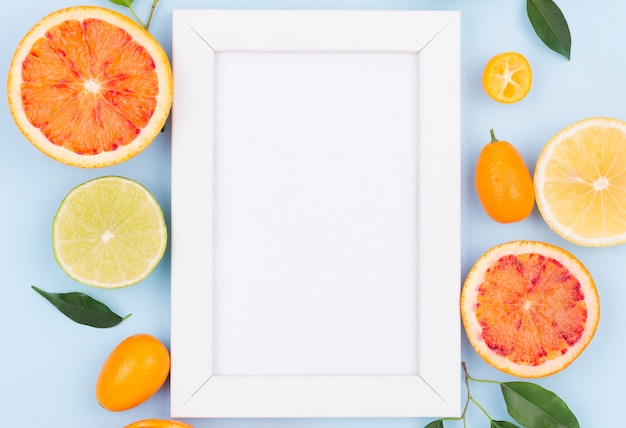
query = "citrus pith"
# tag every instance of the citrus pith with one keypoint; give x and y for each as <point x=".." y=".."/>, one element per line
<point x="109" y="232"/>
<point x="89" y="87"/>
<point x="529" y="308"/>
<point x="580" y="182"/>
<point x="132" y="373"/>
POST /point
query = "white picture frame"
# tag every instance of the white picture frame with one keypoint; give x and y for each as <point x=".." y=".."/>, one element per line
<point x="434" y="388"/>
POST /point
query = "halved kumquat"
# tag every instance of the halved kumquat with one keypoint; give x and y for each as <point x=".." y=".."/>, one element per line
<point x="507" y="77"/>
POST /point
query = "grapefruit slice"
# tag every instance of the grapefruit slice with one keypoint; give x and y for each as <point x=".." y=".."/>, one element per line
<point x="158" y="423"/>
<point x="529" y="308"/>
<point x="89" y="87"/>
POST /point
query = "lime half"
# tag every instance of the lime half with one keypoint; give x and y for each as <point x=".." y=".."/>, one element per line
<point x="109" y="232"/>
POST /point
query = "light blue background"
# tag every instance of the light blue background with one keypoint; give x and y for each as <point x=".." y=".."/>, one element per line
<point x="49" y="364"/>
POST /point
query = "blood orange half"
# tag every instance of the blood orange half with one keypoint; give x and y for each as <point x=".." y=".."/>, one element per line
<point x="89" y="87"/>
<point x="529" y="308"/>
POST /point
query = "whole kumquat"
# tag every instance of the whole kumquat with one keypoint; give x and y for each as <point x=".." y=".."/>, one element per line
<point x="133" y="372"/>
<point x="503" y="182"/>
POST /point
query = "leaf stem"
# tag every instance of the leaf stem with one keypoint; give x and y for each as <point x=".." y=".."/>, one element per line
<point x="132" y="12"/>
<point x="470" y="398"/>
<point x="152" y="8"/>
<point x="485" y="381"/>
<point x="473" y="379"/>
<point x="477" y="404"/>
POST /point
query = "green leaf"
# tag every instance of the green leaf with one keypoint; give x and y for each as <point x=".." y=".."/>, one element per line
<point x="83" y="309"/>
<point x="533" y="406"/>
<point x="126" y="3"/>
<point x="550" y="25"/>
<point x="435" y="424"/>
<point x="502" y="424"/>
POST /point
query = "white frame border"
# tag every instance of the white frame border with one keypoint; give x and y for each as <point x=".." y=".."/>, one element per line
<point x="436" y="390"/>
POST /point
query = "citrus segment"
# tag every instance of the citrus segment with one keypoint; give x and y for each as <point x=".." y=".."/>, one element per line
<point x="580" y="182"/>
<point x="132" y="373"/>
<point x="529" y="308"/>
<point x="507" y="77"/>
<point x="89" y="87"/>
<point x="109" y="232"/>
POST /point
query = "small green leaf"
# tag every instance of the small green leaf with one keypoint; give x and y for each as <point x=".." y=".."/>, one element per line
<point x="83" y="309"/>
<point x="533" y="406"/>
<point x="550" y="25"/>
<point x="502" y="424"/>
<point x="435" y="424"/>
<point x="126" y="3"/>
